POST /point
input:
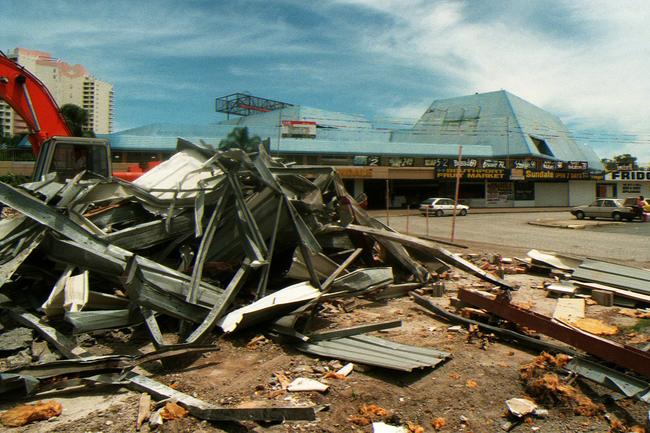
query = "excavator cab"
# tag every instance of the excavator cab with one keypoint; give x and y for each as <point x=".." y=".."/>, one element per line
<point x="68" y="156"/>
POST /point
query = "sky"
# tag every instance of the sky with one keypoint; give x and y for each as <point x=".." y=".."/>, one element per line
<point x="586" y="61"/>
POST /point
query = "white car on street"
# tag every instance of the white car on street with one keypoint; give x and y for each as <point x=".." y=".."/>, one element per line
<point x="442" y="206"/>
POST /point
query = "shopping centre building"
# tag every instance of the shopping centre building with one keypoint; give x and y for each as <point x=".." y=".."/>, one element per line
<point x="513" y="154"/>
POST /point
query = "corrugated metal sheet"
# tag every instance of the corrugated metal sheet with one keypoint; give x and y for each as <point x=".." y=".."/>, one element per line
<point x="182" y="173"/>
<point x="620" y="281"/>
<point x="376" y="351"/>
<point x="616" y="269"/>
<point x="625" y="384"/>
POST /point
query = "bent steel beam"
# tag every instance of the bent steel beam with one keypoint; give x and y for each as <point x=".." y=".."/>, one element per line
<point x="619" y="354"/>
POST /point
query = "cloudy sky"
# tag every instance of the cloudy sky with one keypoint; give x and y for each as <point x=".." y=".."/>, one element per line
<point x="587" y="61"/>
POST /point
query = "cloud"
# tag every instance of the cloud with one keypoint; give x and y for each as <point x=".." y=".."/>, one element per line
<point x="597" y="73"/>
<point x="585" y="60"/>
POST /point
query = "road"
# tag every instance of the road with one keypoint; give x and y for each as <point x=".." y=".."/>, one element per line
<point x="622" y="242"/>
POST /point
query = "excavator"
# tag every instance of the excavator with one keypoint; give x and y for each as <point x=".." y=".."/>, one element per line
<point x="54" y="147"/>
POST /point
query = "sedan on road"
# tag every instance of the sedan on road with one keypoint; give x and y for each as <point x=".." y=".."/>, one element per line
<point x="442" y="206"/>
<point x="605" y="208"/>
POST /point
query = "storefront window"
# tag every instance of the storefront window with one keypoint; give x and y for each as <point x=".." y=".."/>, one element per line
<point x="524" y="191"/>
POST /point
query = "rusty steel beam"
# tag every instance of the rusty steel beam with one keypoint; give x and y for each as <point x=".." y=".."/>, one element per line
<point x="619" y="354"/>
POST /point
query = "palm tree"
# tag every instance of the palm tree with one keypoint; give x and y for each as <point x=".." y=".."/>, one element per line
<point x="76" y="118"/>
<point x="238" y="138"/>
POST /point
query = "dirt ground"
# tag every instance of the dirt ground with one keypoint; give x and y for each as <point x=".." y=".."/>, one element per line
<point x="468" y="391"/>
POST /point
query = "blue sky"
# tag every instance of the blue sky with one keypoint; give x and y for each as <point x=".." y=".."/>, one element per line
<point x="587" y="61"/>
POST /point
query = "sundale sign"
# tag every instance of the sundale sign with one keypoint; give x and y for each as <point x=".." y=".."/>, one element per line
<point x="626" y="175"/>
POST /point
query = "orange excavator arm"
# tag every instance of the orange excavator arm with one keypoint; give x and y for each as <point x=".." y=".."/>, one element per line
<point x="32" y="101"/>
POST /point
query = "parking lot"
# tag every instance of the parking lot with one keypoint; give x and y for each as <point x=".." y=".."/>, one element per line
<point x="513" y="233"/>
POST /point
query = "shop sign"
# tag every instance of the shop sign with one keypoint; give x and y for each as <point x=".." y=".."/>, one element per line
<point x="584" y="175"/>
<point x="298" y="128"/>
<point x="561" y="165"/>
<point x="354" y="171"/>
<point x="525" y="164"/>
<point x="465" y="163"/>
<point x="400" y="162"/>
<point x="446" y="163"/>
<point x="517" y="174"/>
<point x="577" y="165"/>
<point x="493" y="163"/>
<point x="437" y="163"/>
<point x="554" y="175"/>
<point x="469" y="163"/>
<point x="631" y="188"/>
<point x="472" y="174"/>
<point x="550" y="165"/>
<point x="628" y="175"/>
<point x="365" y="160"/>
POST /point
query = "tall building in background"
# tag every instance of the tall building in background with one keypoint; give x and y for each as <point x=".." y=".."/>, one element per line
<point x="68" y="84"/>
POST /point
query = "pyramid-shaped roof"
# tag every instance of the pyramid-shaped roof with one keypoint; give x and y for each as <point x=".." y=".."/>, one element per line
<point x="511" y="126"/>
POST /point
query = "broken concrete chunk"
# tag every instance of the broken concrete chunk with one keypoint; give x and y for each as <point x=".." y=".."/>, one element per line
<point x="380" y="427"/>
<point x="15" y="339"/>
<point x="42" y="353"/>
<point x="540" y="412"/>
<point x="22" y="358"/>
<point x="520" y="407"/>
<point x="306" y="384"/>
<point x="603" y="297"/>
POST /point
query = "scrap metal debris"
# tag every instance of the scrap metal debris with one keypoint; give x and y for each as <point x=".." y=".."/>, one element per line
<point x="207" y="240"/>
<point x="628" y="286"/>
<point x="225" y="241"/>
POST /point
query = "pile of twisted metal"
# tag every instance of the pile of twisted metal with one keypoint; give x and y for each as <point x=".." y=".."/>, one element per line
<point x="209" y="240"/>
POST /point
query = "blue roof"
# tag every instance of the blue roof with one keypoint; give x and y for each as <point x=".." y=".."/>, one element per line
<point x="488" y="125"/>
<point x="507" y="123"/>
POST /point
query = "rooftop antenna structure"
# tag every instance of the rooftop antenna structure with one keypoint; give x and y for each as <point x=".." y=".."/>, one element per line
<point x="245" y="104"/>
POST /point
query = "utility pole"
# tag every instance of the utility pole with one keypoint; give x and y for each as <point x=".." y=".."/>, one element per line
<point x="458" y="174"/>
<point x="387" y="202"/>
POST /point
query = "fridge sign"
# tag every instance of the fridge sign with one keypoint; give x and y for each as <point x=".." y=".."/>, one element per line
<point x="628" y="175"/>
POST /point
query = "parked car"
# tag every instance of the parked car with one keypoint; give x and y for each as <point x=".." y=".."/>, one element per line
<point x="632" y="202"/>
<point x="442" y="206"/>
<point x="605" y="208"/>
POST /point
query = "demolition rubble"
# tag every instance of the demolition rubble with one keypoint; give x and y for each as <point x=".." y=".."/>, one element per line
<point x="211" y="244"/>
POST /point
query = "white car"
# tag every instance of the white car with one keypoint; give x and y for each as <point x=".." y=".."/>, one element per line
<point x="442" y="206"/>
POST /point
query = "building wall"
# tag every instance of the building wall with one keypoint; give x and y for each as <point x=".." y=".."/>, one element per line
<point x="68" y="84"/>
<point x="581" y="192"/>
<point x="98" y="101"/>
<point x="551" y="194"/>
<point x="5" y="119"/>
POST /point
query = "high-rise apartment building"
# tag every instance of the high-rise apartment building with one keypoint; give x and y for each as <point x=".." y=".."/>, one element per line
<point x="68" y="84"/>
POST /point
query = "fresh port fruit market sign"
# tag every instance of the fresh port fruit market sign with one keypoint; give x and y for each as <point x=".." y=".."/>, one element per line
<point x="473" y="173"/>
<point x="627" y="175"/>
